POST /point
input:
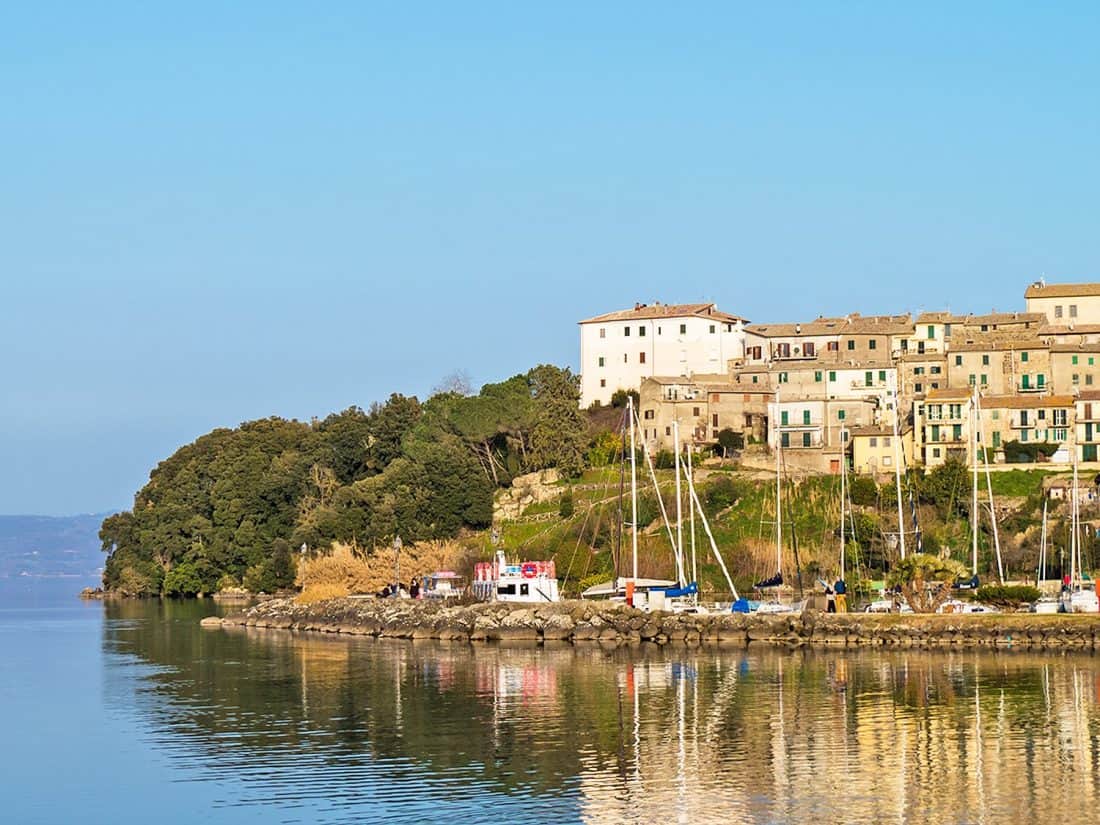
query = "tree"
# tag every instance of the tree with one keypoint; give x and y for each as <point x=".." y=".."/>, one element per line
<point x="619" y="398"/>
<point x="454" y="383"/>
<point x="728" y="440"/>
<point x="925" y="580"/>
<point x="559" y="435"/>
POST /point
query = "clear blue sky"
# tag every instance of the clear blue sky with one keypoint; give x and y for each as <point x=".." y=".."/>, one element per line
<point x="217" y="212"/>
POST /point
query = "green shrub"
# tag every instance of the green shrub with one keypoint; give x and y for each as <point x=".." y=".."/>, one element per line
<point x="183" y="580"/>
<point x="1007" y="595"/>
<point x="566" y="508"/>
<point x="863" y="491"/>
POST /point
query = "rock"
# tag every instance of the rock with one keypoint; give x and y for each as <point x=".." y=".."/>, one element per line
<point x="211" y="621"/>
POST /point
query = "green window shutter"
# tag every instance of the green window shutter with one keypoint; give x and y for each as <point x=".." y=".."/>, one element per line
<point x="1025" y="381"/>
<point x="996" y="438"/>
<point x="805" y="439"/>
<point x="832" y="375"/>
<point x="785" y="439"/>
<point x="840" y="414"/>
<point x="970" y="380"/>
<point x="805" y="416"/>
<point x="958" y="360"/>
<point x="783" y="418"/>
<point x="882" y="376"/>
<point x="868" y="378"/>
<point x="817" y="375"/>
<point x="931" y="332"/>
<point x="1041" y="380"/>
<point x="935" y="432"/>
<point x="985" y="380"/>
<point x="1023" y="356"/>
<point x="957" y="431"/>
<point x="1075" y="360"/>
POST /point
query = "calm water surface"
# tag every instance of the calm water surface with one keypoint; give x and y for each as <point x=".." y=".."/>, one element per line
<point x="128" y="712"/>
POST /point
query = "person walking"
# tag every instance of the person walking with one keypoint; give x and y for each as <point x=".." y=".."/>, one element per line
<point x="830" y="600"/>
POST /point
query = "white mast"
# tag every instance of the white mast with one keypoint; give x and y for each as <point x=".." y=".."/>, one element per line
<point x="898" y="454"/>
<point x="1073" y="548"/>
<point x="679" y="518"/>
<point x="843" y="477"/>
<point x="974" y="499"/>
<point x="778" y="488"/>
<point x="633" y="491"/>
<point x="691" y="520"/>
<point x="1042" y="548"/>
<point x="989" y="489"/>
<point x="710" y="536"/>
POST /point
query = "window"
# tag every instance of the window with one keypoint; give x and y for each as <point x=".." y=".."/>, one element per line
<point x="935" y="452"/>
<point x="1074" y="360"/>
<point x="957" y="432"/>
<point x="625" y="357"/>
<point x="1058" y="312"/>
<point x="832" y="375"/>
<point x="886" y="461"/>
<point x="1025" y="382"/>
<point x="985" y="380"/>
<point x="1073" y="310"/>
<point x="1041" y="380"/>
<point x="873" y="442"/>
<point x="648" y="415"/>
<point x="833" y="346"/>
<point x="809" y="350"/>
<point x="931" y="332"/>
<point x="996" y="439"/>
<point x="1023" y="357"/>
<point x="1092" y="361"/>
<point x="918" y="388"/>
<point x="783" y="418"/>
<point x="603" y="382"/>
<point x="683" y="329"/>
<point x="882" y="376"/>
<point x="805" y="416"/>
<point x="841" y="415"/>
<point x="872" y="344"/>
<point x="626" y="332"/>
<point x="1060" y="418"/>
<point x="958" y="360"/>
<point x="868" y="379"/>
<point x="712" y="329"/>
<point x="1059" y="435"/>
<point x="935" y="385"/>
<point x="641" y="332"/>
<point x="935" y="432"/>
<point x="714" y="420"/>
<point x="886" y="441"/>
<point x="935" y="370"/>
<point x="1076" y="378"/>
<point x="603" y="332"/>
<point x="971" y="379"/>
<point x="985" y="327"/>
<point x="817" y="376"/>
<point x="918" y="370"/>
<point x="782" y="378"/>
<point x="1023" y="418"/>
<point x="641" y="357"/>
<point x="754" y="379"/>
<point x="851" y="344"/>
<point x="695" y="411"/>
<point x="1023" y="435"/>
<point x="1088" y="380"/>
<point x="806" y="439"/>
<point x="1042" y="415"/>
<point x="985" y="360"/>
<point x="947" y="330"/>
<point x="668" y="430"/>
<point x="658" y="330"/>
<point x="785" y="439"/>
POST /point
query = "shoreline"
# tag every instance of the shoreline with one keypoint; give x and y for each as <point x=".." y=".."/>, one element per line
<point x="616" y="624"/>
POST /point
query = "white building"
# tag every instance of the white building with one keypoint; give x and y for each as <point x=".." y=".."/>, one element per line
<point x="619" y="349"/>
<point x="1065" y="304"/>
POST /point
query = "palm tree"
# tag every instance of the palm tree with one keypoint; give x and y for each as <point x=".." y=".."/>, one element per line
<point x="925" y="580"/>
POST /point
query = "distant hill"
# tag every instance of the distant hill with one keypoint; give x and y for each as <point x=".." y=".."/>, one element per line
<point x="50" y="547"/>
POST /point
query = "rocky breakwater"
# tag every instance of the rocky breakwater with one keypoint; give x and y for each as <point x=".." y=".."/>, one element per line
<point x="616" y="624"/>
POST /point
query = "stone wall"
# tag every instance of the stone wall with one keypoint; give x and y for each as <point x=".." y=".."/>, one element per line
<point x="615" y="624"/>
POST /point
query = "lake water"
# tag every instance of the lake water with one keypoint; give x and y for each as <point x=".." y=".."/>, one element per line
<point x="129" y="712"/>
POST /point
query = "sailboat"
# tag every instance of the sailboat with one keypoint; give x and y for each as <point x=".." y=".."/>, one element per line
<point x="1046" y="604"/>
<point x="1076" y="596"/>
<point x="773" y="583"/>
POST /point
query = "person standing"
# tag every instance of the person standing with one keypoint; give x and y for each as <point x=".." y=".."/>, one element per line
<point x="841" y="590"/>
<point x="830" y="600"/>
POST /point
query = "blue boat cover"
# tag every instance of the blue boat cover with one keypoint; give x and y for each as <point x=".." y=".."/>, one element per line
<point x="690" y="590"/>
<point x="740" y="606"/>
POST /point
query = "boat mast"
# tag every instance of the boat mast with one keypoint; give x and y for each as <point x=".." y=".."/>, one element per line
<point x="633" y="491"/>
<point x="898" y="455"/>
<point x="1073" y="547"/>
<point x="989" y="489"/>
<point x="778" y="489"/>
<point x="691" y="520"/>
<point x="1041" y="572"/>
<point x="679" y="519"/>
<point x="710" y="536"/>
<point x="843" y="478"/>
<point x="974" y="499"/>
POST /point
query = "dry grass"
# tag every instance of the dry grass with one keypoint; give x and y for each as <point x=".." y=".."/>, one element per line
<point x="347" y="569"/>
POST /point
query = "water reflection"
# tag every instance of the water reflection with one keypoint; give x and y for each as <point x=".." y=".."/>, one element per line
<point x="350" y="729"/>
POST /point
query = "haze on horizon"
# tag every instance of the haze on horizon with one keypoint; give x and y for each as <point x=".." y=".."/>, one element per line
<point x="214" y="213"/>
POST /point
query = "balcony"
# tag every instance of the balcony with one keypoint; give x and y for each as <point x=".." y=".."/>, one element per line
<point x="1029" y="387"/>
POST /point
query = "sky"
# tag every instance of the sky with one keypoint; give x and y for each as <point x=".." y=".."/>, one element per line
<point x="214" y="212"/>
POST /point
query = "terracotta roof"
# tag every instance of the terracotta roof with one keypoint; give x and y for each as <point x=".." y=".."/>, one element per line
<point x="854" y="324"/>
<point x="1025" y="402"/>
<point x="643" y="312"/>
<point x="994" y="344"/>
<point x="704" y="379"/>
<point x="1070" y="329"/>
<point x="1089" y="395"/>
<point x="948" y="394"/>
<point x="876" y="429"/>
<point x="1079" y="347"/>
<point x="1044" y="290"/>
<point x="978" y="320"/>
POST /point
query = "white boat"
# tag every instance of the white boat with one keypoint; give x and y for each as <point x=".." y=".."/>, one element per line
<point x="442" y="584"/>
<point x="957" y="606"/>
<point x="1047" y="604"/>
<point x="504" y="581"/>
<point x="1077" y="596"/>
